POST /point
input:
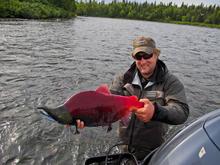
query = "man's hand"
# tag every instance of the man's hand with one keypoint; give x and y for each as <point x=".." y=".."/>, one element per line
<point x="80" y="124"/>
<point x="147" y="112"/>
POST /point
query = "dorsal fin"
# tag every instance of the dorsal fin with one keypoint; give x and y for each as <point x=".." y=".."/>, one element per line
<point x="103" y="89"/>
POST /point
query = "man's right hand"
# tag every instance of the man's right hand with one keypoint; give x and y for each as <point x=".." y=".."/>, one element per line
<point x="80" y="124"/>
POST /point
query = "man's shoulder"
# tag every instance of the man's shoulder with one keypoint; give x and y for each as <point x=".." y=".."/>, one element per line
<point x="173" y="80"/>
<point x="120" y="76"/>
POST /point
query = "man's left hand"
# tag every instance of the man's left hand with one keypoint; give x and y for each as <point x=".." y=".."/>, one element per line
<point x="147" y="112"/>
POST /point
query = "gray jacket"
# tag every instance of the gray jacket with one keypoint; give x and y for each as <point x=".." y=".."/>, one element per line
<point x="168" y="95"/>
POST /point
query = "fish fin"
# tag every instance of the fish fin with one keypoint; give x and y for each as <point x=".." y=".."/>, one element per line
<point x="77" y="131"/>
<point x="126" y="119"/>
<point x="72" y="129"/>
<point x="134" y="97"/>
<point x="103" y="89"/>
<point x="107" y="128"/>
<point x="47" y="117"/>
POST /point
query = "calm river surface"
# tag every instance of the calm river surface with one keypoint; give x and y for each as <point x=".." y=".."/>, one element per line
<point x="46" y="62"/>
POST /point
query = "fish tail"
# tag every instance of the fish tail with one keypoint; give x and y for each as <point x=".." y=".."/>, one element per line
<point x="134" y="97"/>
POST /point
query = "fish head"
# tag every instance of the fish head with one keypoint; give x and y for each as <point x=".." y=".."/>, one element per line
<point x="59" y="114"/>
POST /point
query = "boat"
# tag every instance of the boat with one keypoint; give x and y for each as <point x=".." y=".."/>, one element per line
<point x="197" y="143"/>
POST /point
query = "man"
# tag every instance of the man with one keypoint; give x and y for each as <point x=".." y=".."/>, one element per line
<point x="162" y="93"/>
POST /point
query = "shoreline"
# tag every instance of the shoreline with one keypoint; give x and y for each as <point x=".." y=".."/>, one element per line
<point x="172" y="22"/>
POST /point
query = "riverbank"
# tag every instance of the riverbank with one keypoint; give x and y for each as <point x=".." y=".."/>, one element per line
<point x="172" y="22"/>
<point x="196" y="24"/>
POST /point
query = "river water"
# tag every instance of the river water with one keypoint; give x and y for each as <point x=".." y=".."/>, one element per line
<point x="46" y="62"/>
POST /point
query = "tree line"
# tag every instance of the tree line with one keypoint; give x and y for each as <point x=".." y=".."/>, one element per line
<point x="151" y="11"/>
<point x="37" y="9"/>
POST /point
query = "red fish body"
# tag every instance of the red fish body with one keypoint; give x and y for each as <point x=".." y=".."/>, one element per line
<point x="95" y="108"/>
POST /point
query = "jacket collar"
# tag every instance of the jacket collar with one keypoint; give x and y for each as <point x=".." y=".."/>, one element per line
<point x="131" y="76"/>
<point x="137" y="81"/>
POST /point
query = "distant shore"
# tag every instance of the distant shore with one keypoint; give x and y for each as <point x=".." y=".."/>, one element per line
<point x="173" y="22"/>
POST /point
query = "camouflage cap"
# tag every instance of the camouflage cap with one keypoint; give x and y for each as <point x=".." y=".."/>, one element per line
<point x="143" y="44"/>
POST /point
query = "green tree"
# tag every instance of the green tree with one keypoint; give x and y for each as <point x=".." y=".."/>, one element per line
<point x="122" y="14"/>
<point x="37" y="9"/>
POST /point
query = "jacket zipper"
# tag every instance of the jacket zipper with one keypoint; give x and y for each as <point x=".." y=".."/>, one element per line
<point x="132" y="130"/>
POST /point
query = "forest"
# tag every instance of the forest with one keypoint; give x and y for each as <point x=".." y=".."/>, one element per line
<point x="195" y="15"/>
<point x="37" y="9"/>
<point x="199" y="15"/>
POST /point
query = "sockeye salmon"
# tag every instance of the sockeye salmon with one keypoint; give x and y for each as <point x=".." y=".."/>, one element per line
<point x="94" y="108"/>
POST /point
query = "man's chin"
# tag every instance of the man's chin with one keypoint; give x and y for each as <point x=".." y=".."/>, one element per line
<point x="146" y="74"/>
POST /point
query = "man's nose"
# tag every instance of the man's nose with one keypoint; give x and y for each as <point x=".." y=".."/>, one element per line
<point x="143" y="60"/>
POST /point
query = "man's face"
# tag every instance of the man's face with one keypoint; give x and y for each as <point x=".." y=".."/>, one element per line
<point x="146" y="66"/>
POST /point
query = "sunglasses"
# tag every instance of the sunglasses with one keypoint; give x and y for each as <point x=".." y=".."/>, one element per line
<point x="145" y="56"/>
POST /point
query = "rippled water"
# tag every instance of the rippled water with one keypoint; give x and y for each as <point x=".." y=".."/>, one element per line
<point x="46" y="62"/>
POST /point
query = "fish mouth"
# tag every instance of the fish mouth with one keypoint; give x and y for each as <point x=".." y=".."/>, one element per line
<point x="60" y="114"/>
<point x="46" y="115"/>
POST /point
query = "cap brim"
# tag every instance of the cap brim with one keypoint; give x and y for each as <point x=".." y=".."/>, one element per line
<point x="145" y="49"/>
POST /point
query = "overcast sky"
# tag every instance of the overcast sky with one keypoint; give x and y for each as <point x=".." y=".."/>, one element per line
<point x="189" y="2"/>
<point x="178" y="2"/>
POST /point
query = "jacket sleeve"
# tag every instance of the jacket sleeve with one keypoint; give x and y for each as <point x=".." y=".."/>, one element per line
<point x="116" y="87"/>
<point x="176" y="110"/>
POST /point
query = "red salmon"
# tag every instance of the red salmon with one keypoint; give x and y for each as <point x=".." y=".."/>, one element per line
<point x="94" y="108"/>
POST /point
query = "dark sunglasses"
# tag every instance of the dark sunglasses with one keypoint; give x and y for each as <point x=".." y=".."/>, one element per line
<point x="145" y="56"/>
